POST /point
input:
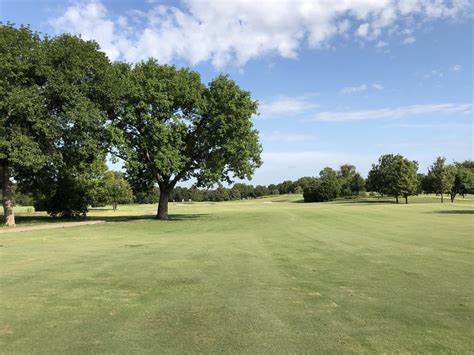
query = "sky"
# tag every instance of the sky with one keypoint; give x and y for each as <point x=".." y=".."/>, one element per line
<point x="337" y="81"/>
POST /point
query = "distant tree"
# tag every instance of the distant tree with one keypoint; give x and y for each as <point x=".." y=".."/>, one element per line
<point x="148" y="195"/>
<point x="326" y="188"/>
<point x="394" y="176"/>
<point x="235" y="193"/>
<point x="195" y="194"/>
<point x="463" y="180"/>
<point x="357" y="184"/>
<point x="425" y="183"/>
<point x="304" y="182"/>
<point x="261" y="190"/>
<point x="351" y="181"/>
<point x="180" y="194"/>
<point x="168" y="127"/>
<point x="245" y="191"/>
<point x="273" y="189"/>
<point x="407" y="183"/>
<point x="442" y="177"/>
<point x="117" y="189"/>
<point x="286" y="187"/>
<point x="21" y="198"/>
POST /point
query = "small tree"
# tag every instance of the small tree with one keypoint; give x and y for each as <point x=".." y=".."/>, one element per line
<point x="168" y="127"/>
<point x="442" y="177"/>
<point x="117" y="189"/>
<point x="463" y="180"/>
<point x="407" y="184"/>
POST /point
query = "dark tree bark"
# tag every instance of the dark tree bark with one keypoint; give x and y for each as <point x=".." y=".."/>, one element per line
<point x="165" y="193"/>
<point x="396" y="197"/>
<point x="8" y="216"/>
<point x="442" y="200"/>
<point x="406" y="199"/>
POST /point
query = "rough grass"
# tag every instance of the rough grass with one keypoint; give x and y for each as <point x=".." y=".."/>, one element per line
<point x="254" y="277"/>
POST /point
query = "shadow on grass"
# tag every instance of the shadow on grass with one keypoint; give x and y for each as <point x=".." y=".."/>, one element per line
<point x="455" y="212"/>
<point x="34" y="220"/>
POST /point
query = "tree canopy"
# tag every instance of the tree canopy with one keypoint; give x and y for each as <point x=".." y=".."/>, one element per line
<point x="53" y="107"/>
<point x="168" y="127"/>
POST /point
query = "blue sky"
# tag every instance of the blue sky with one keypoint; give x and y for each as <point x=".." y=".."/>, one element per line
<point x="341" y="81"/>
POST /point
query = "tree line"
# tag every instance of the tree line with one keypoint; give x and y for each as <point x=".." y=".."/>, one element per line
<point x="64" y="107"/>
<point x="395" y="176"/>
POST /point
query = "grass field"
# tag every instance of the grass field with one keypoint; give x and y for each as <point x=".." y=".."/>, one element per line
<point x="261" y="276"/>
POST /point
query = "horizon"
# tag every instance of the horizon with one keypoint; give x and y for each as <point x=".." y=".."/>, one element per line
<point x="335" y="84"/>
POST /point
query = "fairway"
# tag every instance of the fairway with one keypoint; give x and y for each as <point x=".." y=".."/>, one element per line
<point x="262" y="276"/>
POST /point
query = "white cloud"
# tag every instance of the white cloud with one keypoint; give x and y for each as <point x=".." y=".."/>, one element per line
<point x="394" y="112"/>
<point x="286" y="137"/>
<point x="360" y="88"/>
<point x="409" y="40"/>
<point x="381" y="44"/>
<point x="284" y="106"/>
<point x="234" y="32"/>
<point x="352" y="89"/>
<point x="435" y="73"/>
<point x="456" y="67"/>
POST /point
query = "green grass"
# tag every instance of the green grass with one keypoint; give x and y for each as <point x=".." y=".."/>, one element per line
<point x="253" y="277"/>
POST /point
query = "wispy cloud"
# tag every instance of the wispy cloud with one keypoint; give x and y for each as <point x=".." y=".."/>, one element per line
<point x="456" y="67"/>
<point x="352" y="89"/>
<point x="377" y="86"/>
<point x="394" y="112"/>
<point x="360" y="88"/>
<point x="409" y="40"/>
<point x="286" y="137"/>
<point x="285" y="106"/>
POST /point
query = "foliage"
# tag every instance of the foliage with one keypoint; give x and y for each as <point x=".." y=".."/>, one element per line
<point x="67" y="198"/>
<point x="168" y="127"/>
<point x="115" y="189"/>
<point x="463" y="179"/>
<point x="394" y="175"/>
<point x="54" y="98"/>
<point x="326" y="188"/>
<point x="442" y="176"/>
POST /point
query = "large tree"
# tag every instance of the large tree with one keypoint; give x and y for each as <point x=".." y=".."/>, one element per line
<point x="54" y="94"/>
<point x="25" y="126"/>
<point x="168" y="127"/>
<point x="442" y="177"/>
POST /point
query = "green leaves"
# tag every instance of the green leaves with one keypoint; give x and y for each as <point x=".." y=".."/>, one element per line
<point x="168" y="126"/>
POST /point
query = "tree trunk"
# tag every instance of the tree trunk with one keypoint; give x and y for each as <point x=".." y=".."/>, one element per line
<point x="163" y="203"/>
<point x="442" y="198"/>
<point x="406" y="199"/>
<point x="396" y="197"/>
<point x="8" y="216"/>
<point x="453" y="196"/>
<point x="114" y="206"/>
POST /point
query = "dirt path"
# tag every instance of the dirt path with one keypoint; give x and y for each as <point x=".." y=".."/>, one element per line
<point x="48" y="226"/>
